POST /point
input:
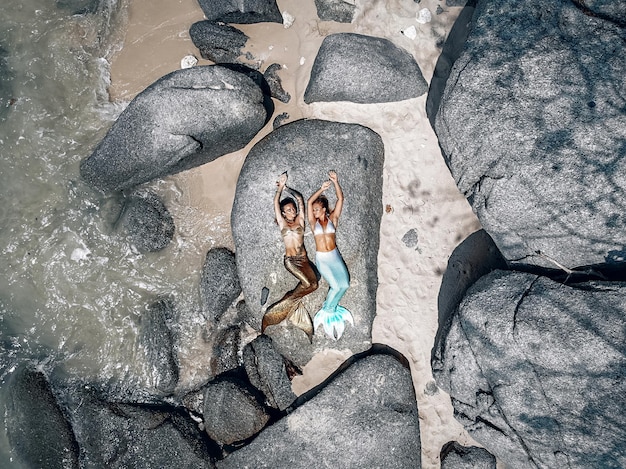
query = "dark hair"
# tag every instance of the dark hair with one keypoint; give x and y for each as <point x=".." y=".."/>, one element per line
<point x="286" y="201"/>
<point x="323" y="201"/>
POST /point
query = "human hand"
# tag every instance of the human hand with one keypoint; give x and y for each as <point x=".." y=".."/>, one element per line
<point x="282" y="180"/>
<point x="325" y="185"/>
<point x="332" y="175"/>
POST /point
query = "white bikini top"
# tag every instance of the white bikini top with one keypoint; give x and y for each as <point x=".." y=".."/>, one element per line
<point x="330" y="228"/>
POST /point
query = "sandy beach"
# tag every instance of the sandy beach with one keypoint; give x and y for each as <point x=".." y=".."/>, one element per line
<point x="419" y="195"/>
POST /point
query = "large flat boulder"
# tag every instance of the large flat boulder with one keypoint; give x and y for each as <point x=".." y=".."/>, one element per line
<point x="186" y="118"/>
<point x="536" y="370"/>
<point x="532" y="125"/>
<point x="307" y="150"/>
<point x="363" y="69"/>
<point x="366" y="416"/>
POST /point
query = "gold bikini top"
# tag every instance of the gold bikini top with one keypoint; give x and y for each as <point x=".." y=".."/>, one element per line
<point x="286" y="231"/>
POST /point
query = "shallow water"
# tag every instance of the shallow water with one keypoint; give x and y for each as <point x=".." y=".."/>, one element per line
<point x="72" y="289"/>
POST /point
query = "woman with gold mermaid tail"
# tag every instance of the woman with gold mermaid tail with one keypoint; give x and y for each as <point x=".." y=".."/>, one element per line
<point x="329" y="262"/>
<point x="290" y="219"/>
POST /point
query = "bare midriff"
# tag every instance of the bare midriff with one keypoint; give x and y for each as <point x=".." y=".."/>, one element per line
<point x="325" y="242"/>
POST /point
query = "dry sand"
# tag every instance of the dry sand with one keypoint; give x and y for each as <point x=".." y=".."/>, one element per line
<point x="418" y="192"/>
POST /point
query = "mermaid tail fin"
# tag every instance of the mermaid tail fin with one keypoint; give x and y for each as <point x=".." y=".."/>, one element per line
<point x="299" y="316"/>
<point x="333" y="321"/>
<point x="275" y="314"/>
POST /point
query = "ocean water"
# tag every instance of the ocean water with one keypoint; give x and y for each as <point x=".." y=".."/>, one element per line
<point x="72" y="289"/>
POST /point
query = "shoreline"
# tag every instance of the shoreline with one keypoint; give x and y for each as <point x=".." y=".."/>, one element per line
<point x="418" y="191"/>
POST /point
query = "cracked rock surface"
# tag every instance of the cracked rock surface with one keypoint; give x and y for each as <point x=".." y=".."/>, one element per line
<point x="535" y="370"/>
<point x="532" y="124"/>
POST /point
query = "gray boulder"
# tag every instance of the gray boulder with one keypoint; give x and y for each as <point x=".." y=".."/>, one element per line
<point x="280" y="119"/>
<point x="241" y="11"/>
<point x="119" y="436"/>
<point x="36" y="428"/>
<point x="186" y="118"/>
<point x="232" y="411"/>
<point x="456" y="456"/>
<point x="275" y="83"/>
<point x="536" y="369"/>
<point x="158" y="345"/>
<point x="226" y="349"/>
<point x="335" y="10"/>
<point x="267" y="371"/>
<point x="219" y="282"/>
<point x="475" y="257"/>
<point x="217" y="42"/>
<point x="307" y="150"/>
<point x="364" y="416"/>
<point x="532" y="125"/>
<point x="363" y="69"/>
<point x="147" y="221"/>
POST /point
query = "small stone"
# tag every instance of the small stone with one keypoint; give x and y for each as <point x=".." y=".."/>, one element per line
<point x="424" y="16"/>
<point x="264" y="294"/>
<point x="410" y="32"/>
<point x="288" y="19"/>
<point x="431" y="388"/>
<point x="188" y="61"/>
<point x="410" y="238"/>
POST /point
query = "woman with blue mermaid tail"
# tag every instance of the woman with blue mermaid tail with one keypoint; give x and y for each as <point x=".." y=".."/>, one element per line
<point x="290" y="218"/>
<point x="329" y="262"/>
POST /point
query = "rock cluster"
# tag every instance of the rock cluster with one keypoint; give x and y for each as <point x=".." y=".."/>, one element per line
<point x="365" y="417"/>
<point x="186" y="119"/>
<point x="525" y="104"/>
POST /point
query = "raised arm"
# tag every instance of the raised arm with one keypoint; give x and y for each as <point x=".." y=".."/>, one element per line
<point x="334" y="216"/>
<point x="309" y="204"/>
<point x="280" y="185"/>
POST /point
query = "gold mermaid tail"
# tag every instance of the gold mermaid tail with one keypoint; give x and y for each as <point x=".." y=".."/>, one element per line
<point x="300" y="318"/>
<point x="290" y="306"/>
<point x="292" y="310"/>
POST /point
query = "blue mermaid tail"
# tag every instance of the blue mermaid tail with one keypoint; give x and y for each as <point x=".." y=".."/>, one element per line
<point x="332" y="316"/>
<point x="334" y="321"/>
